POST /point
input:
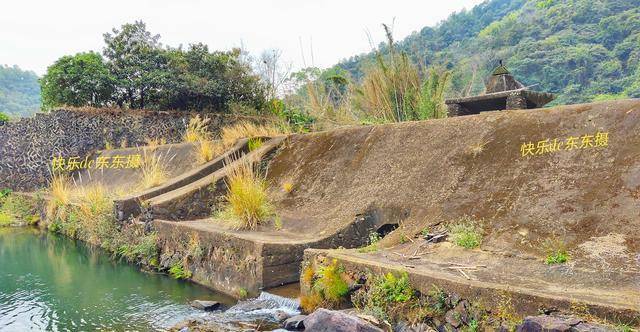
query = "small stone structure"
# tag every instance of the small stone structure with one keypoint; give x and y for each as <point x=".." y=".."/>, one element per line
<point x="502" y="92"/>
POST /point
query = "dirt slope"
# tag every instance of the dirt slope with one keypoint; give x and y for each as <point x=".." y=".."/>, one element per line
<point x="420" y="174"/>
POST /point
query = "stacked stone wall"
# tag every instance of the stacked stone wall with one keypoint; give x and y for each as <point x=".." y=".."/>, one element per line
<point x="28" y="145"/>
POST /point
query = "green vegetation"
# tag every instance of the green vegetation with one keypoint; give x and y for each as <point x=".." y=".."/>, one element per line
<point x="328" y="287"/>
<point x="138" y="72"/>
<point x="556" y="251"/>
<point x="392" y="89"/>
<point x="248" y="204"/>
<point x="374" y="238"/>
<point x="16" y="210"/>
<point x="79" y="80"/>
<point x="578" y="49"/>
<point x="624" y="328"/>
<point x="19" y="92"/>
<point x="254" y="143"/>
<point x="4" y="118"/>
<point x="242" y="293"/>
<point x="178" y="271"/>
<point x="466" y="233"/>
<point x="559" y="257"/>
<point x="87" y="214"/>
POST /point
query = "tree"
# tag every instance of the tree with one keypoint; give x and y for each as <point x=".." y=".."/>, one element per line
<point x="140" y="73"/>
<point x="203" y="80"/>
<point x="136" y="61"/>
<point x="19" y="91"/>
<point x="79" y="80"/>
<point x="273" y="71"/>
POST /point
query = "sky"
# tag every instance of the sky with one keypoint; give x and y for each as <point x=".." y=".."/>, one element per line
<point x="34" y="33"/>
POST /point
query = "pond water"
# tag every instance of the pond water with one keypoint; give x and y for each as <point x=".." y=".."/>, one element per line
<point x="51" y="283"/>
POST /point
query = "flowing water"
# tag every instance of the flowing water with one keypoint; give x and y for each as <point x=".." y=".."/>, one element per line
<point x="51" y="283"/>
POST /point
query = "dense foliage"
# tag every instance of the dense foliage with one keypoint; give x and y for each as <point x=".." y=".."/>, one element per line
<point x="19" y="92"/>
<point x="582" y="50"/>
<point x="137" y="71"/>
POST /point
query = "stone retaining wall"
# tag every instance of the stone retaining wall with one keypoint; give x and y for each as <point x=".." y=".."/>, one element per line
<point x="28" y="145"/>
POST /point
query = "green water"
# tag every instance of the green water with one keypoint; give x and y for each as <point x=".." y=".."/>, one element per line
<point x="50" y="283"/>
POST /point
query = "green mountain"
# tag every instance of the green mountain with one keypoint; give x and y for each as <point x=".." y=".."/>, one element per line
<point x="19" y="92"/>
<point x="582" y="50"/>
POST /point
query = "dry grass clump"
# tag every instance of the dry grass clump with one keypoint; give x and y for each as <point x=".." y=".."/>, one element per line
<point x="287" y="187"/>
<point x="94" y="209"/>
<point x="245" y="129"/>
<point x="197" y="130"/>
<point x="248" y="203"/>
<point x="155" y="142"/>
<point x="153" y="171"/>
<point x="60" y="190"/>
<point x="60" y="193"/>
<point x="207" y="150"/>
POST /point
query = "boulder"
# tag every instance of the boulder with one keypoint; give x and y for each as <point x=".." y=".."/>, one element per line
<point x="205" y="305"/>
<point x="458" y="315"/>
<point x="420" y="327"/>
<point x="323" y="320"/>
<point x="559" y="324"/>
<point x="295" y="323"/>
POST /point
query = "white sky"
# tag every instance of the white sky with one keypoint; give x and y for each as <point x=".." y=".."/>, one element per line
<point x="34" y="33"/>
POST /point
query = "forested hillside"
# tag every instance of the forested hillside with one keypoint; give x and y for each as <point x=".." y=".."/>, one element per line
<point x="582" y="50"/>
<point x="19" y="91"/>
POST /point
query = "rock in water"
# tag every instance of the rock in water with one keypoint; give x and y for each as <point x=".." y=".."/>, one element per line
<point x="323" y="320"/>
<point x="205" y="305"/>
<point x="295" y="323"/>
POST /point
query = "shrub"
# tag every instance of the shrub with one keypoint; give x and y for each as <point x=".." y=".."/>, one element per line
<point x="247" y="200"/>
<point x="387" y="297"/>
<point x="387" y="291"/>
<point x="329" y="283"/>
<point x="326" y="287"/>
<point x="3" y="118"/>
<point x="466" y="233"/>
<point x="16" y="209"/>
<point x="144" y="248"/>
<point x="559" y="257"/>
<point x="5" y="220"/>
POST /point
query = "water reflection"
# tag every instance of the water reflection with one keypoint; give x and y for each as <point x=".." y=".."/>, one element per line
<point x="51" y="283"/>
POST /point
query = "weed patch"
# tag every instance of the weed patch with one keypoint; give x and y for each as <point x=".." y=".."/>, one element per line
<point x="178" y="271"/>
<point x="466" y="233"/>
<point x="254" y="143"/>
<point x="556" y="251"/>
